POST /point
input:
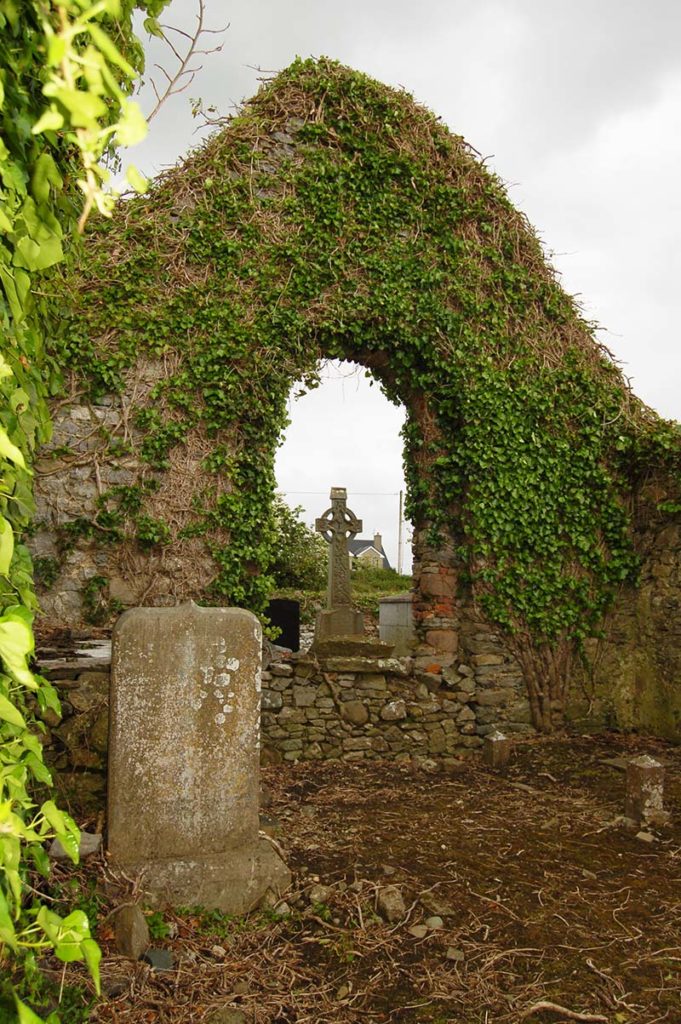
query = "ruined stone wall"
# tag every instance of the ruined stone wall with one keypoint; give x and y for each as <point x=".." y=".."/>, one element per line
<point x="632" y="675"/>
<point x="347" y="708"/>
<point x="98" y="504"/>
<point x="630" y="679"/>
<point x="454" y="640"/>
<point x="89" y="568"/>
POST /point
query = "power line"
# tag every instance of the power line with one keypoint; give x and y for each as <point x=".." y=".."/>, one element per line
<point x="359" y="494"/>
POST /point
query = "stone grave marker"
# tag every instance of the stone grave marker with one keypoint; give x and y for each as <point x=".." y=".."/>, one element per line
<point x="496" y="750"/>
<point x="338" y="525"/>
<point x="645" y="791"/>
<point x="184" y="757"/>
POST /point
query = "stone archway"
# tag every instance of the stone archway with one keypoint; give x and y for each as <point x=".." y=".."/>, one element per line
<point x="336" y="218"/>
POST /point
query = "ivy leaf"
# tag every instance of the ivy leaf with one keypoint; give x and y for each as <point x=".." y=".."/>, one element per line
<point x="85" y="108"/>
<point x="132" y="127"/>
<point x="53" y="815"/>
<point x="9" y="450"/>
<point x="16" y="643"/>
<point x="34" y="255"/>
<point x="65" y="828"/>
<point x="9" y="713"/>
<point x="23" y="286"/>
<point x="40" y="858"/>
<point x="10" y="858"/>
<point x="137" y="181"/>
<point x="152" y="26"/>
<point x="38" y="769"/>
<point x="48" y="696"/>
<point x="51" y="121"/>
<point x="7" y="932"/>
<point x="26" y="1014"/>
<point x="110" y="51"/>
<point x="6" y="546"/>
<point x="19" y="400"/>
<point x="13" y="177"/>
<point x="92" y="954"/>
<point x="45" y="173"/>
<point x="56" y="50"/>
<point x="67" y="934"/>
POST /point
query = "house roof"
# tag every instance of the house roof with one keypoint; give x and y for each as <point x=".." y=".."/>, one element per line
<point x="358" y="546"/>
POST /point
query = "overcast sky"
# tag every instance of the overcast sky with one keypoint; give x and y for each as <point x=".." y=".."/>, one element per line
<point x="577" y="106"/>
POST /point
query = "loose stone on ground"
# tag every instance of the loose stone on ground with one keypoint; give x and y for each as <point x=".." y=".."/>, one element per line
<point x="131" y="931"/>
<point x="89" y="844"/>
<point x="390" y="904"/>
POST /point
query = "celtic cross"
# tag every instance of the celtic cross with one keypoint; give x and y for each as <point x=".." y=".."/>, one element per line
<point x="338" y="525"/>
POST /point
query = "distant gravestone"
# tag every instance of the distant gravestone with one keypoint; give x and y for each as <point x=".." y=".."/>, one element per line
<point x="338" y="525"/>
<point x="184" y="757"/>
<point x="285" y="615"/>
<point x="396" y="623"/>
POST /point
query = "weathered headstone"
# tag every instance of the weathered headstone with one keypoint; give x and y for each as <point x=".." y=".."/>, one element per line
<point x="338" y="525"/>
<point x="396" y="623"/>
<point x="496" y="750"/>
<point x="285" y="615"/>
<point x="645" y="791"/>
<point x="184" y="759"/>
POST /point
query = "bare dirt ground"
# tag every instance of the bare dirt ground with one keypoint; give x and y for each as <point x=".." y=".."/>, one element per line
<point x="544" y="902"/>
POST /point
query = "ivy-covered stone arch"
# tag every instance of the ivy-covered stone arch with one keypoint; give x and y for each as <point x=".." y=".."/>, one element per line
<point x="334" y="217"/>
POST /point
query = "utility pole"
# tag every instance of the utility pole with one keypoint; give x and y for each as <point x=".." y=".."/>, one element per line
<point x="400" y="552"/>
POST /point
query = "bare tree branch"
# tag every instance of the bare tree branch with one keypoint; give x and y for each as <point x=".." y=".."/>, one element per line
<point x="183" y="75"/>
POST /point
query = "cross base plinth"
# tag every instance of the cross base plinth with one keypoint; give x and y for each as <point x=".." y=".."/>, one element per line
<point x="338" y="622"/>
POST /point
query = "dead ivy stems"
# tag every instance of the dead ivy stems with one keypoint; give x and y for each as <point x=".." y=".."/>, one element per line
<point x="470" y="177"/>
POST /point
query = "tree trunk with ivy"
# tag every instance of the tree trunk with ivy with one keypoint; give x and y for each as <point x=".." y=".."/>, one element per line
<point x="546" y="669"/>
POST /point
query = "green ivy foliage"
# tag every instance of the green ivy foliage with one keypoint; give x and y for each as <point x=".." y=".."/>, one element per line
<point x="335" y="218"/>
<point x="66" y="67"/>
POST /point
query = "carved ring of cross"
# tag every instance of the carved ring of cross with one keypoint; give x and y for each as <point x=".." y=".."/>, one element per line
<point x="338" y="522"/>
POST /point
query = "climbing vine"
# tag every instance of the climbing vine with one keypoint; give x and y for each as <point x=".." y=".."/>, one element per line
<point x="335" y="218"/>
<point x="66" y="68"/>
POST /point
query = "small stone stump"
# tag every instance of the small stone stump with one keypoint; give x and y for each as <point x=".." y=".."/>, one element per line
<point x="645" y="791"/>
<point x="496" y="751"/>
<point x="184" y="757"/>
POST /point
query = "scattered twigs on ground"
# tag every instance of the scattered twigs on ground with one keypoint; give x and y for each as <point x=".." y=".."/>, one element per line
<point x="545" y="1006"/>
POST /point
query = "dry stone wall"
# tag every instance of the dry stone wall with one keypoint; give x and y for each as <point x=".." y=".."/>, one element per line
<point x="357" y="708"/>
